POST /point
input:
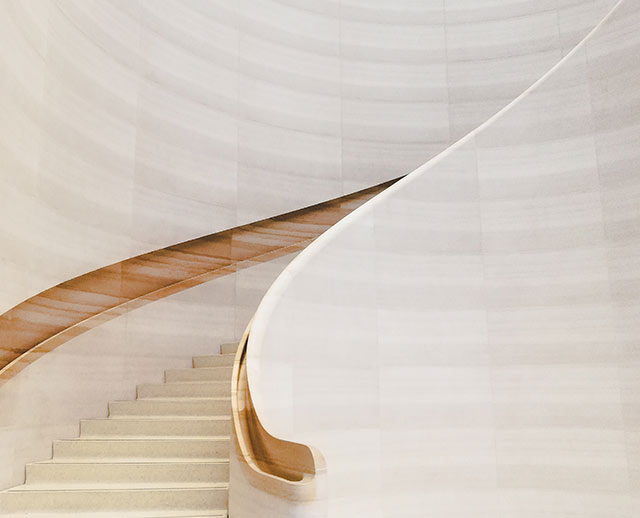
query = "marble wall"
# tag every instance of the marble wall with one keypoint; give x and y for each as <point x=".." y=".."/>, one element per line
<point x="131" y="125"/>
<point x="466" y="344"/>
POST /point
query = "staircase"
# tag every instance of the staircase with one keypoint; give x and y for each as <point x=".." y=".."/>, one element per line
<point x="166" y="454"/>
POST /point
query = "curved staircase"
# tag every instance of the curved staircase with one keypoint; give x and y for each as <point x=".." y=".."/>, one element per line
<point x="165" y="454"/>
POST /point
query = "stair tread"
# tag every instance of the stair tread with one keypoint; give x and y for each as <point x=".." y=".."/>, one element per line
<point x="194" y="382"/>
<point x="167" y="418"/>
<point x="148" y="438"/>
<point x="177" y="398"/>
<point x="133" y="460"/>
<point x="228" y="367"/>
<point x="163" y="418"/>
<point x="199" y="374"/>
<point x="220" y="513"/>
<point x="207" y="356"/>
<point x="115" y="487"/>
<point x="160" y="461"/>
<point x="229" y="348"/>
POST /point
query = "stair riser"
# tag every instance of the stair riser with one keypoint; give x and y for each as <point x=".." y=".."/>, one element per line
<point x="153" y="427"/>
<point x="151" y="407"/>
<point x="73" y="501"/>
<point x="154" y="449"/>
<point x="202" y="374"/>
<point x="219" y="360"/>
<point x="196" y="472"/>
<point x="228" y="348"/>
<point x="186" y="389"/>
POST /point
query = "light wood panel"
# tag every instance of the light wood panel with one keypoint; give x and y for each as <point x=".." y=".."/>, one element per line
<point x="51" y="318"/>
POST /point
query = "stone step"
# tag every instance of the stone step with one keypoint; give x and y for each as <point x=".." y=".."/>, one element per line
<point x="229" y="348"/>
<point x="216" y="360"/>
<point x="27" y="499"/>
<point x="126" y="514"/>
<point x="165" y="473"/>
<point x="185" y="389"/>
<point x="201" y="374"/>
<point x="131" y="450"/>
<point x="155" y="426"/>
<point x="171" y="407"/>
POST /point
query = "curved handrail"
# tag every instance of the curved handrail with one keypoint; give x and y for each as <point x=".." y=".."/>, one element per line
<point x="47" y="320"/>
<point x="281" y="468"/>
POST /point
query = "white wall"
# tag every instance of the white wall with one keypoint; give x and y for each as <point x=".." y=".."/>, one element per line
<point x="466" y="344"/>
<point x="130" y="125"/>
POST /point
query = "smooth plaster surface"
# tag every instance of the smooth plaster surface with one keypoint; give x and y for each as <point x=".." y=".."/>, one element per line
<point x="131" y="125"/>
<point x="466" y="344"/>
<point x="128" y="126"/>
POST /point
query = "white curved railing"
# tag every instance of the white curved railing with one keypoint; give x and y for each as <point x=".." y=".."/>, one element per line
<point x="210" y="111"/>
<point x="464" y="342"/>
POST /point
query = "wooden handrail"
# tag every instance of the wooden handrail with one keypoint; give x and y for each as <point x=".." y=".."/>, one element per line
<point x="285" y="469"/>
<point x="51" y="318"/>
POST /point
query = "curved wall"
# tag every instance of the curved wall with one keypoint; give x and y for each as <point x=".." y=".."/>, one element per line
<point x="467" y="342"/>
<point x="128" y="126"/>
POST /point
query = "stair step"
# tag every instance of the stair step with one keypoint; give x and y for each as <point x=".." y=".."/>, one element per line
<point x="217" y="360"/>
<point x="22" y="499"/>
<point x="164" y="455"/>
<point x="155" y="426"/>
<point x="229" y="348"/>
<point x="200" y="374"/>
<point x="129" y="473"/>
<point x="130" y="450"/>
<point x="171" y="407"/>
<point x="185" y="389"/>
<point x="112" y="486"/>
<point x="221" y="513"/>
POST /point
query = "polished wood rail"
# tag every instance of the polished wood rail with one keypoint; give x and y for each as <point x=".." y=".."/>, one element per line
<point x="45" y="321"/>
<point x="281" y="468"/>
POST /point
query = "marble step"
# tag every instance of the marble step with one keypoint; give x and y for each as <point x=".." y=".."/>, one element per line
<point x="171" y="407"/>
<point x="201" y="374"/>
<point x="216" y="360"/>
<point x="155" y="426"/>
<point x="30" y="499"/>
<point x="185" y="389"/>
<point x="126" y="514"/>
<point x="229" y="348"/>
<point x="82" y="473"/>
<point x="165" y="513"/>
<point x="130" y="450"/>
